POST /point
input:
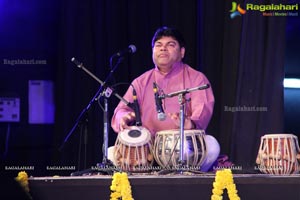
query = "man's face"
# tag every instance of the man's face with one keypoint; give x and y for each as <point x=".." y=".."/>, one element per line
<point x="166" y="51"/>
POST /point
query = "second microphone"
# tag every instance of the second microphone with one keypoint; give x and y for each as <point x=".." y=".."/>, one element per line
<point x="161" y="116"/>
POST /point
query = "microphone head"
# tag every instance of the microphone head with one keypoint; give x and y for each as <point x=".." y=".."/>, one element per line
<point x="76" y="62"/>
<point x="132" y="48"/>
<point x="161" y="116"/>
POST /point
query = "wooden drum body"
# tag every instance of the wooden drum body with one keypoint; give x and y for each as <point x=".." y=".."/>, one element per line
<point x="167" y="148"/>
<point x="278" y="154"/>
<point x="133" y="149"/>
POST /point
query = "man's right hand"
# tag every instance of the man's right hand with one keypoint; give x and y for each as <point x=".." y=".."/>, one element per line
<point x="126" y="119"/>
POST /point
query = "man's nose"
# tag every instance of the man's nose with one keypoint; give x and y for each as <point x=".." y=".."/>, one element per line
<point x="163" y="47"/>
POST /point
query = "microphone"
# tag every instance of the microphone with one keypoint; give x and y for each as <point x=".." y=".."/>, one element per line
<point x="136" y="106"/>
<point x="161" y="116"/>
<point x="129" y="50"/>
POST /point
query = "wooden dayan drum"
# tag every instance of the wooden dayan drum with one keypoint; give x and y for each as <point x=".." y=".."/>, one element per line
<point x="278" y="154"/>
<point x="133" y="149"/>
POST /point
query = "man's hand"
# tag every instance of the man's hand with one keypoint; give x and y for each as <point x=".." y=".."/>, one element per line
<point x="188" y="123"/>
<point x="126" y="119"/>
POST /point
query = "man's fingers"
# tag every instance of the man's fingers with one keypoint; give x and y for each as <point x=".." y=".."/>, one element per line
<point x="174" y="116"/>
<point x="176" y="119"/>
<point x="130" y="116"/>
<point x="126" y="119"/>
<point x="123" y="125"/>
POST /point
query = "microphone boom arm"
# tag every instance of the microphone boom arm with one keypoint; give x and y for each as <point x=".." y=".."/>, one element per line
<point x="103" y="84"/>
<point x="185" y="91"/>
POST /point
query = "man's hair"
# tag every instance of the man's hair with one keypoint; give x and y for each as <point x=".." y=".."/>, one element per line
<point x="168" y="32"/>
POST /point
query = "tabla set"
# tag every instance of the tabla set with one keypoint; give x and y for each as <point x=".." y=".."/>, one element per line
<point x="136" y="151"/>
<point x="278" y="154"/>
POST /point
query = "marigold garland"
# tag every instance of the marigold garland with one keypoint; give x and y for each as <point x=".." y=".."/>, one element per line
<point x="224" y="180"/>
<point x="22" y="179"/>
<point x="120" y="187"/>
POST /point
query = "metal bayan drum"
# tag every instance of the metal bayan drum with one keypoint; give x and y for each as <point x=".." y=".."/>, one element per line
<point x="167" y="148"/>
<point x="278" y="154"/>
<point x="133" y="149"/>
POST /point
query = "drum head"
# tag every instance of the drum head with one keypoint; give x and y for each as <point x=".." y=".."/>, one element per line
<point x="135" y="136"/>
<point x="176" y="131"/>
<point x="281" y="135"/>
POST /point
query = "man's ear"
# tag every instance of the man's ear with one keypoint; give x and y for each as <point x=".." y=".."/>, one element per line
<point x="182" y="52"/>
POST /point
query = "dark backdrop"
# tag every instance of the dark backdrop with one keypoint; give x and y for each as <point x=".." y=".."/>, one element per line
<point x="242" y="57"/>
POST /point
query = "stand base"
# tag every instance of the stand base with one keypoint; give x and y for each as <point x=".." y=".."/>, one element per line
<point x="184" y="172"/>
<point x="182" y="168"/>
<point x="101" y="169"/>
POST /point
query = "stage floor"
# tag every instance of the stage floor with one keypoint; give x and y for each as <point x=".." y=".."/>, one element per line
<point x="162" y="187"/>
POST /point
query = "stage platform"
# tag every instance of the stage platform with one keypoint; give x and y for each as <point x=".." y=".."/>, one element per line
<point x="165" y="187"/>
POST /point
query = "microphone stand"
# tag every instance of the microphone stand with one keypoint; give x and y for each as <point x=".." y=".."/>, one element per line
<point x="105" y="92"/>
<point x="106" y="132"/>
<point x="182" y="100"/>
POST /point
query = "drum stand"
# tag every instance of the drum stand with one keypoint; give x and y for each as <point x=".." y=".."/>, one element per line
<point x="106" y="166"/>
<point x="181" y="168"/>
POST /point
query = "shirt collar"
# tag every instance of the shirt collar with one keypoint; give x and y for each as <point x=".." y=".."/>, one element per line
<point x="175" y="68"/>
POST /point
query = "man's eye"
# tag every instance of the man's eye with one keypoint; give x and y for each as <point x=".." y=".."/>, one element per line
<point x="171" y="44"/>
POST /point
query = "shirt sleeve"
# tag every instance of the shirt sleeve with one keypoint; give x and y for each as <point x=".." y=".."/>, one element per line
<point x="202" y="104"/>
<point x="121" y="110"/>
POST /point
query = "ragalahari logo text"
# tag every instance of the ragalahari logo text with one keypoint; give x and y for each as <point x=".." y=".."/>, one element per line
<point x="267" y="10"/>
<point x="236" y="10"/>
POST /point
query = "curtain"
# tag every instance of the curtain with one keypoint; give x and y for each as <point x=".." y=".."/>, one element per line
<point x="259" y="86"/>
<point x="242" y="57"/>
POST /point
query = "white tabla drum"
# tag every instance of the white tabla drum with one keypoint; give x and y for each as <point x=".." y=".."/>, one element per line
<point x="167" y="148"/>
<point x="278" y="154"/>
<point x="133" y="149"/>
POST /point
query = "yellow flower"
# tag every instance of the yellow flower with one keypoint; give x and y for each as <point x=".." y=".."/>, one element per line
<point x="113" y="187"/>
<point x="22" y="178"/>
<point x="232" y="188"/>
<point x="115" y="195"/>
<point x="218" y="185"/>
<point x="216" y="197"/>
<point x="217" y="191"/>
<point x="120" y="187"/>
<point x="224" y="179"/>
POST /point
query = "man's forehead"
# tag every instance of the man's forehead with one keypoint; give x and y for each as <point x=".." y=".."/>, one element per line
<point x="166" y="39"/>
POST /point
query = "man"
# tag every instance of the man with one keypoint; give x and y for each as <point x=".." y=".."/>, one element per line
<point x="170" y="74"/>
